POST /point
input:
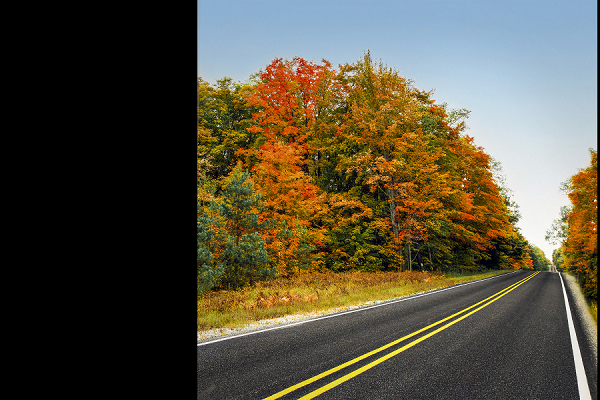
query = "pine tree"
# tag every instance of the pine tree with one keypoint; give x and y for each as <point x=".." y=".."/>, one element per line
<point x="209" y="271"/>
<point x="243" y="256"/>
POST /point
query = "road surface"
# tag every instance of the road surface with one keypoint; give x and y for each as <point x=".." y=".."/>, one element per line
<point x="506" y="337"/>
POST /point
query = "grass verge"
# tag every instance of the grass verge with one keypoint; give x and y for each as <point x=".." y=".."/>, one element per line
<point x="317" y="292"/>
<point x="593" y="308"/>
<point x="592" y="305"/>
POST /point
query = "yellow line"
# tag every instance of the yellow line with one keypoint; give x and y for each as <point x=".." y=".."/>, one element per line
<point x="400" y="350"/>
<point x="357" y="359"/>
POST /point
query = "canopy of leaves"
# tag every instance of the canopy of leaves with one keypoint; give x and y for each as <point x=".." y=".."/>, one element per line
<point x="348" y="169"/>
<point x="576" y="229"/>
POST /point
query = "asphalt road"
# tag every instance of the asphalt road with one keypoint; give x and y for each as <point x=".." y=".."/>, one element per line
<point x="514" y="345"/>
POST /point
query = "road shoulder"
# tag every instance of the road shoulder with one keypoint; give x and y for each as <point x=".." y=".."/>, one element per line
<point x="590" y="328"/>
<point x="587" y="331"/>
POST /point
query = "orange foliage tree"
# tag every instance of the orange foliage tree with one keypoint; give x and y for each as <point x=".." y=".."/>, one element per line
<point x="288" y="102"/>
<point x="581" y="244"/>
<point x="395" y="157"/>
<point x="356" y="169"/>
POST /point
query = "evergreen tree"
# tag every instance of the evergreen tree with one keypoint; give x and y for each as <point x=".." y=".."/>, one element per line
<point x="208" y="270"/>
<point x="244" y="256"/>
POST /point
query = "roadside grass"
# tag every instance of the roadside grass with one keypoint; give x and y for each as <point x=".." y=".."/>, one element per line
<point x="318" y="292"/>
<point x="593" y="308"/>
<point x="592" y="305"/>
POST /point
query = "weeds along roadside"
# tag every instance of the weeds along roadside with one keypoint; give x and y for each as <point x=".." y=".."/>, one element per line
<point x="592" y="305"/>
<point x="318" y="291"/>
<point x="593" y="309"/>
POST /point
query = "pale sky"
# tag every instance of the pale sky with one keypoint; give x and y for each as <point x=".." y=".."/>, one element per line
<point x="526" y="69"/>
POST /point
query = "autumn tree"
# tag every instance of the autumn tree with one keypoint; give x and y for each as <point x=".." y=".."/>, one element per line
<point x="292" y="201"/>
<point x="289" y="100"/>
<point x="581" y="243"/>
<point x="486" y="226"/>
<point x="357" y="170"/>
<point x="394" y="157"/>
<point x="448" y="244"/>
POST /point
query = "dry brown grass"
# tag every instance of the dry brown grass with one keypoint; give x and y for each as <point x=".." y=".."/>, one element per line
<point x="315" y="292"/>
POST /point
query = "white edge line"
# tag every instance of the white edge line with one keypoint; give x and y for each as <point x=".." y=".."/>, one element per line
<point x="582" y="384"/>
<point x="351" y="311"/>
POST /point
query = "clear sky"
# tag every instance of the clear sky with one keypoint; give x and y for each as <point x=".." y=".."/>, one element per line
<point x="526" y="69"/>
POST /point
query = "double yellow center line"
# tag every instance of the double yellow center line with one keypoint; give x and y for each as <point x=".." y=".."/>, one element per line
<point x="360" y="370"/>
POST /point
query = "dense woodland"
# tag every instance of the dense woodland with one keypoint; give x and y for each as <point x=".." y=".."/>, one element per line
<point x="309" y="168"/>
<point x="576" y="228"/>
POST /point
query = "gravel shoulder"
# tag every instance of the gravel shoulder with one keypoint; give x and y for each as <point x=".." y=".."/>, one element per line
<point x="589" y="326"/>
<point x="209" y="335"/>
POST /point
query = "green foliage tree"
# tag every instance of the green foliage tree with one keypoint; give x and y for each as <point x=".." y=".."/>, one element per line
<point x="557" y="259"/>
<point x="540" y="262"/>
<point x="209" y="271"/>
<point x="237" y="223"/>
<point x="356" y="239"/>
<point x="223" y="116"/>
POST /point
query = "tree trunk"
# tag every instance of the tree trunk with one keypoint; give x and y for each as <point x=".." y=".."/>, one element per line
<point x="419" y="259"/>
<point x="409" y="258"/>
<point x="430" y="259"/>
<point x="395" y="227"/>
